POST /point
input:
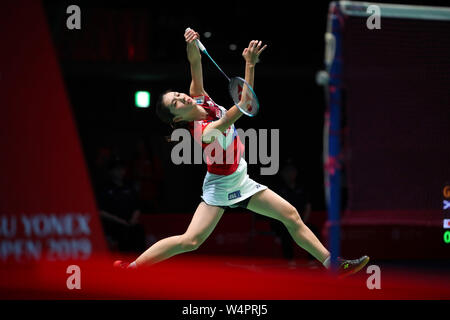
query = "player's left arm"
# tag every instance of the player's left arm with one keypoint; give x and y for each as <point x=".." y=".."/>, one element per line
<point x="251" y="56"/>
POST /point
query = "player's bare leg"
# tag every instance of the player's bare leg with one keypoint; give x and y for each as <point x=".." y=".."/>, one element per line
<point x="202" y="224"/>
<point x="270" y="204"/>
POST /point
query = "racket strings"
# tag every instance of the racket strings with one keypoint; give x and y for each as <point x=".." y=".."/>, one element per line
<point x="244" y="96"/>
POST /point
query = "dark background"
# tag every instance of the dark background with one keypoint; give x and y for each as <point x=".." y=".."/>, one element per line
<point x="138" y="45"/>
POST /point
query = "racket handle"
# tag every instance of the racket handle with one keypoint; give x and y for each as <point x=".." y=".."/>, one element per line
<point x="199" y="44"/>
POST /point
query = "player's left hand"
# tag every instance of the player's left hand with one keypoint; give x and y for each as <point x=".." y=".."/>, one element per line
<point x="252" y="52"/>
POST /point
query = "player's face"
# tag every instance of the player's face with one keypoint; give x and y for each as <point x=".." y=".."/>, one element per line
<point x="179" y="104"/>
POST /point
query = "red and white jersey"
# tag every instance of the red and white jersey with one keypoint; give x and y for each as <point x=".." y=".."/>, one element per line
<point x="229" y="144"/>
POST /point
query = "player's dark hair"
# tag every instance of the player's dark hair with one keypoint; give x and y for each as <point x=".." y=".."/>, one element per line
<point x="163" y="113"/>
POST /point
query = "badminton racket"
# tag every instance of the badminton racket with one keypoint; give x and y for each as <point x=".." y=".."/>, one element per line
<point x="241" y="91"/>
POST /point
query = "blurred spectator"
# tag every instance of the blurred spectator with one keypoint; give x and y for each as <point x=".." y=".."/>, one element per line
<point x="294" y="191"/>
<point x="100" y="172"/>
<point x="119" y="211"/>
<point x="103" y="156"/>
<point x="147" y="175"/>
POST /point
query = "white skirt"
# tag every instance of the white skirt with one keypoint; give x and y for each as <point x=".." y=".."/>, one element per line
<point x="219" y="190"/>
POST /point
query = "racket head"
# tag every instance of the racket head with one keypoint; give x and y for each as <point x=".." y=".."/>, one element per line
<point x="244" y="96"/>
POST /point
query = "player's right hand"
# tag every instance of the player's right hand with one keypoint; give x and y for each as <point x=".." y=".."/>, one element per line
<point x="190" y="36"/>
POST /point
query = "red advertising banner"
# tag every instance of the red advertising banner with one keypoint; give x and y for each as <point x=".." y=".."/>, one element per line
<point x="47" y="206"/>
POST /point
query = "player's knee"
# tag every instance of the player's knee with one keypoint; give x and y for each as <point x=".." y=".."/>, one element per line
<point x="190" y="243"/>
<point x="292" y="218"/>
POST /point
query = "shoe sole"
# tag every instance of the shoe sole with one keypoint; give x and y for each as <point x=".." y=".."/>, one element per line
<point x="358" y="268"/>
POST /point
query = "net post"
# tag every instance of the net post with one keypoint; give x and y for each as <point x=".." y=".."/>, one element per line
<point x="332" y="168"/>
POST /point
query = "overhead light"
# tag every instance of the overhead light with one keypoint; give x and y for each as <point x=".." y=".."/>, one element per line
<point x="142" y="99"/>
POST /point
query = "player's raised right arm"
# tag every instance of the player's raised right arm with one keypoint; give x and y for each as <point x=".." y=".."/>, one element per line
<point x="195" y="61"/>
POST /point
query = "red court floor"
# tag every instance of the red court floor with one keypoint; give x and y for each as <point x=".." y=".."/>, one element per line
<point x="224" y="278"/>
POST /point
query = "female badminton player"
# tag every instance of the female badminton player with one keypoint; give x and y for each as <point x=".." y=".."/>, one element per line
<point x="226" y="185"/>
